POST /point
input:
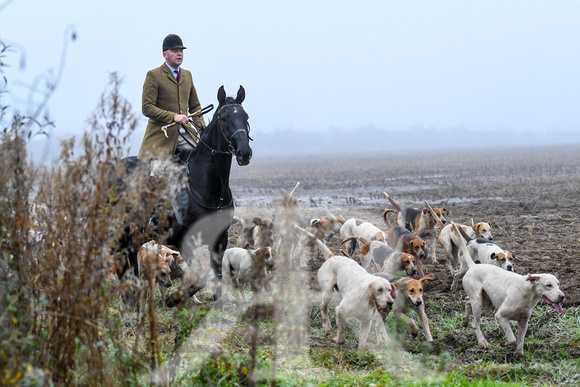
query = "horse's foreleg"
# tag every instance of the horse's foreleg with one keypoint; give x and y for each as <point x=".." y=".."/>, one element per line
<point x="216" y="265"/>
<point x="217" y="288"/>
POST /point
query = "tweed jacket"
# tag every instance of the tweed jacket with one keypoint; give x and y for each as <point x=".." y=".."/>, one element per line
<point x="162" y="98"/>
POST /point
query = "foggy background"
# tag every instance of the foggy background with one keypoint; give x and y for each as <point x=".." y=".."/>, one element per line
<point x="320" y="76"/>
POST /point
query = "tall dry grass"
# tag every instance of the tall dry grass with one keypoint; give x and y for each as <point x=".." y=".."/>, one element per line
<point x="58" y="226"/>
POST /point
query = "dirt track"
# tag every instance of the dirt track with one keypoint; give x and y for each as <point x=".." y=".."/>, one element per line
<point x="530" y="196"/>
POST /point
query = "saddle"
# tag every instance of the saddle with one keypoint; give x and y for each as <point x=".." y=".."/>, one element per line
<point x="180" y="201"/>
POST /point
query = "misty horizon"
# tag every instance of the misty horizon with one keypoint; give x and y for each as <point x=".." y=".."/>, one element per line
<point x="283" y="142"/>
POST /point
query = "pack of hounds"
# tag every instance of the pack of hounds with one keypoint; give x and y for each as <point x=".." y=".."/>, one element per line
<point x="390" y="276"/>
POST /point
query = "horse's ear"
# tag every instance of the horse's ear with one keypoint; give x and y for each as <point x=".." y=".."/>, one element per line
<point x="241" y="95"/>
<point x="221" y="94"/>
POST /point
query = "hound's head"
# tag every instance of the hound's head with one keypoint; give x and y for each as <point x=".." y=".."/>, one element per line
<point x="413" y="289"/>
<point x="415" y="247"/>
<point x="483" y="230"/>
<point x="548" y="287"/>
<point x="265" y="257"/>
<point x="504" y="260"/>
<point x="381" y="293"/>
<point x="264" y="226"/>
<point x="163" y="273"/>
<point x="408" y="264"/>
<point x="175" y="260"/>
<point x="324" y="228"/>
<point x="441" y="213"/>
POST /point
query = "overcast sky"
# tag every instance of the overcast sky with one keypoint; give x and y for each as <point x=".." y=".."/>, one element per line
<point x="316" y="65"/>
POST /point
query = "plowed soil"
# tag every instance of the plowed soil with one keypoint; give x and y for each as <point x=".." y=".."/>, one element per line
<point x="530" y="196"/>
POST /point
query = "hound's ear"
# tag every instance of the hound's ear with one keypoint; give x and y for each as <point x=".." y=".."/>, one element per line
<point x="400" y="286"/>
<point x="366" y="248"/>
<point x="426" y="211"/>
<point x="241" y="95"/>
<point x="489" y="223"/>
<point x="371" y="291"/>
<point x="429" y="277"/>
<point x="317" y="224"/>
<point x="393" y="291"/>
<point x="532" y="278"/>
<point x="493" y="256"/>
<point x="221" y="95"/>
<point x="257" y="220"/>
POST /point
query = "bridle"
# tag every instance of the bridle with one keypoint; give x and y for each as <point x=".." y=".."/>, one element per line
<point x="231" y="147"/>
<point x="231" y="151"/>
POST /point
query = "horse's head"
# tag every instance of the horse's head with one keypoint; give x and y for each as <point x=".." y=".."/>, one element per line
<point x="232" y="121"/>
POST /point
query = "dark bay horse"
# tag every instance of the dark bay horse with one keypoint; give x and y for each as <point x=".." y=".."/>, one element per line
<point x="203" y="210"/>
<point x="210" y="207"/>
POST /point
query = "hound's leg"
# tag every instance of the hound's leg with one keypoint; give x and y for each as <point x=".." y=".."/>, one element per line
<point x="476" y="307"/>
<point x="340" y="323"/>
<point x="326" y="297"/>
<point x="424" y="322"/>
<point x="434" y="249"/>
<point x="467" y="312"/>
<point x="504" y="323"/>
<point x="410" y="322"/>
<point x="365" y="328"/>
<point x="420" y="267"/>
<point x="522" y="329"/>
<point x="352" y="247"/>
<point x="380" y="329"/>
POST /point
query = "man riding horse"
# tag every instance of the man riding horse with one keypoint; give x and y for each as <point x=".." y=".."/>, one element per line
<point x="203" y="209"/>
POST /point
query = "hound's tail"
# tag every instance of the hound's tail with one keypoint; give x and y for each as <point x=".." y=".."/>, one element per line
<point x="366" y="244"/>
<point x="392" y="202"/>
<point x="389" y="225"/>
<point x="321" y="246"/>
<point x="331" y="216"/>
<point x="463" y="238"/>
<point x="289" y="199"/>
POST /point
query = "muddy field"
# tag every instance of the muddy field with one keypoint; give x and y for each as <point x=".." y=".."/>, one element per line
<point x="530" y="196"/>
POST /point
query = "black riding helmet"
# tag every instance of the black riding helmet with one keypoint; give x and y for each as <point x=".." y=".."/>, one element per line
<point x="172" y="42"/>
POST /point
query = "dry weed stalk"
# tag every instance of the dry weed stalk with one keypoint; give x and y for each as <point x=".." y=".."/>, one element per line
<point x="57" y="230"/>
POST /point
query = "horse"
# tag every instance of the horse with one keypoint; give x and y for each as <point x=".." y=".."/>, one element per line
<point x="204" y="209"/>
